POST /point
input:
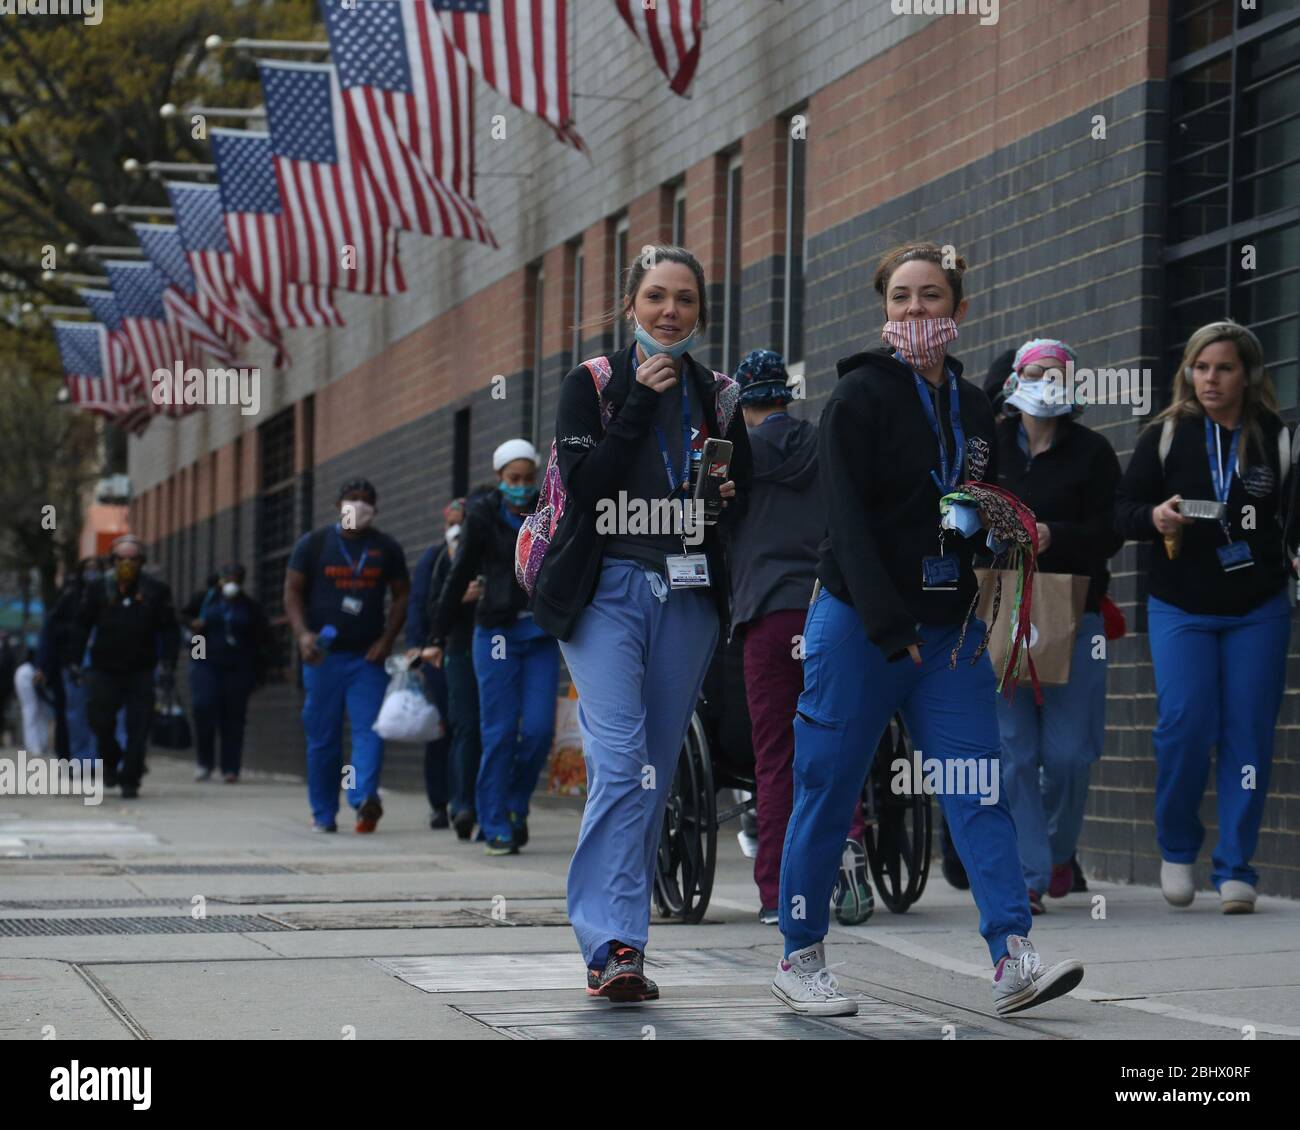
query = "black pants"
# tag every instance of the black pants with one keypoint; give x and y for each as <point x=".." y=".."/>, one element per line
<point x="108" y="692"/>
<point x="219" y="697"/>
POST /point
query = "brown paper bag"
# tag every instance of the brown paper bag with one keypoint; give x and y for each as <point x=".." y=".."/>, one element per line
<point x="1055" y="612"/>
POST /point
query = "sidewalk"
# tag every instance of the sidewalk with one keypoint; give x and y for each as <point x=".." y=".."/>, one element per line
<point x="411" y="934"/>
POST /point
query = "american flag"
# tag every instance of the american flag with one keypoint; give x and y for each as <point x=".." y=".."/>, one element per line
<point x="87" y="350"/>
<point x="121" y="361"/>
<point x="202" y="246"/>
<point x="197" y="321"/>
<point x="410" y="109"/>
<point x="150" y="335"/>
<point x="520" y="48"/>
<point x="250" y="200"/>
<point x="332" y="210"/>
<point x="671" y="28"/>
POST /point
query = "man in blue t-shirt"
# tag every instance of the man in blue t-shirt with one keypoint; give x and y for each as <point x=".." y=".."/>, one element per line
<point x="334" y="593"/>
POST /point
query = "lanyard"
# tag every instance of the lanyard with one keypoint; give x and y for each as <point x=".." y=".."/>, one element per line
<point x="1214" y="453"/>
<point x="947" y="477"/>
<point x="343" y="549"/>
<point x="673" y="485"/>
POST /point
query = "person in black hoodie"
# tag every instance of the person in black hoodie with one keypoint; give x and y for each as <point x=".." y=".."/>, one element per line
<point x="1218" y="615"/>
<point x="900" y="431"/>
<point x="133" y="623"/>
<point x="1067" y="474"/>
<point x="516" y="662"/>
<point x="638" y="610"/>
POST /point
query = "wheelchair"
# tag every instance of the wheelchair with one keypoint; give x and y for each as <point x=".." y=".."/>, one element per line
<point x="718" y="754"/>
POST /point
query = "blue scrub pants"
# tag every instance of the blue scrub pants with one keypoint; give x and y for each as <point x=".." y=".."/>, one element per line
<point x="81" y="740"/>
<point x="342" y="680"/>
<point x="638" y="657"/>
<point x="1219" y="682"/>
<point x="518" y="672"/>
<point x="850" y="693"/>
<point x="219" y="699"/>
<point x="1063" y="737"/>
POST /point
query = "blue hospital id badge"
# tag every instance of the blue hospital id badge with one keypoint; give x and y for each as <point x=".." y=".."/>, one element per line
<point x="1235" y="555"/>
<point x="940" y="574"/>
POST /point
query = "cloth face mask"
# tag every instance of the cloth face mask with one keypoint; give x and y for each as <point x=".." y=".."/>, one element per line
<point x="921" y="341"/>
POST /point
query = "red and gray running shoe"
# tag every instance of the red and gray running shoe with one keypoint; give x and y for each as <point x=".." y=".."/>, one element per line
<point x="623" y="979"/>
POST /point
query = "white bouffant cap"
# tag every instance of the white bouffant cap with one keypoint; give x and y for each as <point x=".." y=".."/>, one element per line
<point x="511" y="450"/>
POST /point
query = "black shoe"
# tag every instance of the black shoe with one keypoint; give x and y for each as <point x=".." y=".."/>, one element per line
<point x="623" y="979"/>
<point x="519" y="826"/>
<point x="1080" y="883"/>
<point x="130" y="792"/>
<point x="439" y="819"/>
<point x="463" y="822"/>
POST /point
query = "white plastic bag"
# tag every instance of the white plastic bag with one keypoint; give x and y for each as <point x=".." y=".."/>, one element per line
<point x="406" y="714"/>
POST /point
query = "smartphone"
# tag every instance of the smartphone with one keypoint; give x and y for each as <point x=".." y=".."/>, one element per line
<point x="715" y="462"/>
<point x="1203" y="508"/>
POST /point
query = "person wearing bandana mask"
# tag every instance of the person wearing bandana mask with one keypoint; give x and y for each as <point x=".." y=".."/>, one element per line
<point x="1067" y="474"/>
<point x="335" y="587"/>
<point x="516" y="662"/>
<point x="444" y="777"/>
<point x="129" y="623"/>
<point x="236" y="638"/>
<point x="899" y="431"/>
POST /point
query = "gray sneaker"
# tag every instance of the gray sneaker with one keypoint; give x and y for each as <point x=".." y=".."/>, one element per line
<point x="1022" y="981"/>
<point x="852" y="897"/>
<point x="804" y="983"/>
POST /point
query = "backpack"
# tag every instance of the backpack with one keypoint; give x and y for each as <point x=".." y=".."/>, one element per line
<point x="538" y="531"/>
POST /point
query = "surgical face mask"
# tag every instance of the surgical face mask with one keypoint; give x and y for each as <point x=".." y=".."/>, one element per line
<point x="652" y="347"/>
<point x="356" y="515"/>
<point x="921" y="341"/>
<point x="126" y="568"/>
<point x="1041" y="399"/>
<point x="517" y="496"/>
<point x="453" y="532"/>
<point x="230" y="590"/>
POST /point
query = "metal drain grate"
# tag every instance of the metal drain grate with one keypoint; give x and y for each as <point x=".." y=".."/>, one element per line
<point x="220" y="924"/>
<point x="81" y="856"/>
<point x="89" y="904"/>
<point x="205" y="869"/>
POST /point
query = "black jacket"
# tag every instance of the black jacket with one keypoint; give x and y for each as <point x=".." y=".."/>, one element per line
<point x="773" y="549"/>
<point x="132" y="632"/>
<point x="594" y="465"/>
<point x="487" y="546"/>
<point x="875" y="452"/>
<point x="1070" y="487"/>
<point x="1195" y="581"/>
<point x="460" y="634"/>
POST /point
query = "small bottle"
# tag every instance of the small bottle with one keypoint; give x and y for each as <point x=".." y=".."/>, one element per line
<point x="326" y="637"/>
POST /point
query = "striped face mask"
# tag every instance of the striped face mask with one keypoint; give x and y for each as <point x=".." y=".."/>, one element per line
<point x="922" y="341"/>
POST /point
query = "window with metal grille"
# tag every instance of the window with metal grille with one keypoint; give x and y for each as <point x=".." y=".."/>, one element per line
<point x="731" y="285"/>
<point x="1234" y="179"/>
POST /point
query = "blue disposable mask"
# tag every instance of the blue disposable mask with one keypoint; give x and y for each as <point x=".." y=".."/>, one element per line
<point x="651" y="347"/>
<point x="517" y="496"/>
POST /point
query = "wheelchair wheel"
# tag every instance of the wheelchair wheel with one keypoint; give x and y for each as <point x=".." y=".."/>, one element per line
<point x="688" y="842"/>
<point x="897" y="826"/>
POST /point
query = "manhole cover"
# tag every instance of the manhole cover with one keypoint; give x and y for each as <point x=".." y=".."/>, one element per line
<point x="504" y="972"/>
<point x="218" y="924"/>
<point x="719" y="1019"/>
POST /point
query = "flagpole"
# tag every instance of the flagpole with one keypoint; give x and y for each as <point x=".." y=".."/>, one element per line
<point x="101" y="209"/>
<point x="299" y="46"/>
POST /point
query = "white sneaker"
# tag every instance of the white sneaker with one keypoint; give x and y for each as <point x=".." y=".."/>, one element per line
<point x="804" y="983"/>
<point x="1025" y="982"/>
<point x="201" y="774"/>
<point x="748" y="845"/>
<point x="1177" y="883"/>
<point x="1237" y="897"/>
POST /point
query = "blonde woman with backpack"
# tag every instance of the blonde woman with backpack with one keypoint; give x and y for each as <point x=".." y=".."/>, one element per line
<point x="1208" y="484"/>
<point x="638" y="614"/>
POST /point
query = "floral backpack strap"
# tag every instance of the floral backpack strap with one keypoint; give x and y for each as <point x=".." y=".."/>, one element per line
<point x="601" y="372"/>
<point x="728" y="398"/>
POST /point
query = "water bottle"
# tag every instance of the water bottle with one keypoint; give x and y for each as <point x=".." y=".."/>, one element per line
<point x="325" y="639"/>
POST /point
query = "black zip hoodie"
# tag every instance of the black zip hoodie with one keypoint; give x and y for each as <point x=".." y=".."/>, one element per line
<point x="595" y="464"/>
<point x="1195" y="580"/>
<point x="875" y="453"/>
<point x="487" y="546"/>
